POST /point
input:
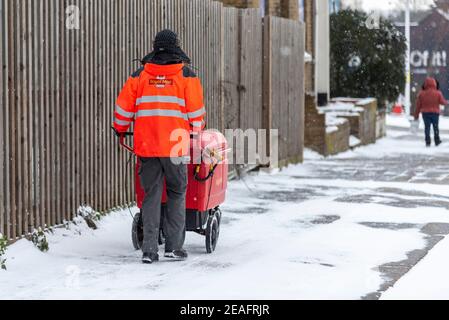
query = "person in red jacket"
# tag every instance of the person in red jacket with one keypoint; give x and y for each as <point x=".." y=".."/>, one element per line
<point x="428" y="103"/>
<point x="164" y="99"/>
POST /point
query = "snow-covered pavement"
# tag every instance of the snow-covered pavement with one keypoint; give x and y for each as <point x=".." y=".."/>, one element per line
<point x="400" y="121"/>
<point x="347" y="227"/>
<point x="428" y="280"/>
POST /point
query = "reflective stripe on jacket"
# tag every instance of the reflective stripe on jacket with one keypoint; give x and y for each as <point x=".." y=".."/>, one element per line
<point x="165" y="102"/>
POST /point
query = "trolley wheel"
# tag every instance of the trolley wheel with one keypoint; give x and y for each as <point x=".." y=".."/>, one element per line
<point x="137" y="231"/>
<point x="219" y="214"/>
<point x="212" y="232"/>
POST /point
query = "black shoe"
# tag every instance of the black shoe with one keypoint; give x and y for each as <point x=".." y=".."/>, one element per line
<point x="438" y="143"/>
<point x="149" y="258"/>
<point x="428" y="145"/>
<point x="176" y="254"/>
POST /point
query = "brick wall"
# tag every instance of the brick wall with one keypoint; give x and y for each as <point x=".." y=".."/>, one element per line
<point x="315" y="126"/>
<point x="283" y="8"/>
<point x="273" y="8"/>
<point x="290" y="9"/>
<point x="368" y="128"/>
<point x="381" y="126"/>
<point x="338" y="140"/>
<point x="242" y="3"/>
<point x="364" y="123"/>
<point x="315" y="136"/>
<point x="309" y="17"/>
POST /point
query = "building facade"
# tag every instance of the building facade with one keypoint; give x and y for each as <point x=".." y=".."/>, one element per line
<point x="334" y="6"/>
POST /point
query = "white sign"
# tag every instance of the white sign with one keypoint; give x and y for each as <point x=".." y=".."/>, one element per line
<point x="424" y="59"/>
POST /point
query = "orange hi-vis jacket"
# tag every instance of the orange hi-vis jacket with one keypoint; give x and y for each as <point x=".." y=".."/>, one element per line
<point x="162" y="100"/>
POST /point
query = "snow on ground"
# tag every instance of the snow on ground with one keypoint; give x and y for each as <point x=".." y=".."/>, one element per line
<point x="397" y="146"/>
<point x="428" y="280"/>
<point x="401" y="121"/>
<point x="320" y="230"/>
<point x="354" y="141"/>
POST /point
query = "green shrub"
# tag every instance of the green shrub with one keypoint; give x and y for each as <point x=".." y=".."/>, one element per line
<point x="90" y="216"/>
<point x="3" y="247"/>
<point x="39" y="239"/>
<point x="366" y="60"/>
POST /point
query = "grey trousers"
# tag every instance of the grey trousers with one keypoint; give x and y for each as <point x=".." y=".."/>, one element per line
<point x="152" y="173"/>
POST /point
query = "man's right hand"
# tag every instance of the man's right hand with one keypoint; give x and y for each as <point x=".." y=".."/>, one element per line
<point x="117" y="133"/>
<point x="120" y="134"/>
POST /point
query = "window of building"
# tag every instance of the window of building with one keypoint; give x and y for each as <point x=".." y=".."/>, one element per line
<point x="334" y="6"/>
<point x="301" y="10"/>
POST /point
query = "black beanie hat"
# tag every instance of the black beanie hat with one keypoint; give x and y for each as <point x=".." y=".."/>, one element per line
<point x="166" y="40"/>
<point x="167" y="47"/>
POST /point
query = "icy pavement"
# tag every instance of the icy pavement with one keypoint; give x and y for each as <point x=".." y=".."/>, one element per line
<point x="347" y="227"/>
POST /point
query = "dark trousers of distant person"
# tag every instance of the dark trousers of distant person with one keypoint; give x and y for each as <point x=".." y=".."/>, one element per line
<point x="432" y="120"/>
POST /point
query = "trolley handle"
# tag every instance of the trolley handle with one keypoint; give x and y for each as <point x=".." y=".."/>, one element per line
<point x="211" y="173"/>
<point x="122" y="136"/>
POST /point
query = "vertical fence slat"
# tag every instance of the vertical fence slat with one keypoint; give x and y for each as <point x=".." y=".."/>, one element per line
<point x="6" y="128"/>
<point x="63" y="106"/>
<point x="12" y="118"/>
<point x="34" y="12"/>
<point x="69" y="88"/>
<point x="58" y="110"/>
<point x="94" y="138"/>
<point x="104" y="110"/>
<point x="27" y="121"/>
<point x="79" y="97"/>
<point x="7" y="108"/>
<point x="20" y="97"/>
<point x="87" y="92"/>
<point x="53" y="155"/>
<point x="115" y="61"/>
<point x="2" y="115"/>
<point x="40" y="174"/>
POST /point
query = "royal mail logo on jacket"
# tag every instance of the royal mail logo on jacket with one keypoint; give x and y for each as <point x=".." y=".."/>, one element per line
<point x="161" y="100"/>
<point x="161" y="82"/>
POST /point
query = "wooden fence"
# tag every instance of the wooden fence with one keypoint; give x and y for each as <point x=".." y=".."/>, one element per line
<point x="284" y="101"/>
<point x="58" y="87"/>
<point x="242" y="74"/>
